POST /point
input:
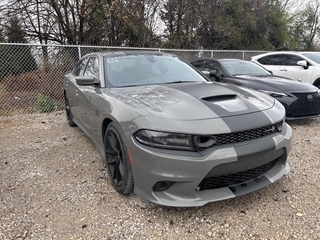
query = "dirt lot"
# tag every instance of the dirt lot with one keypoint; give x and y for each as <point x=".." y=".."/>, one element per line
<point x="54" y="186"/>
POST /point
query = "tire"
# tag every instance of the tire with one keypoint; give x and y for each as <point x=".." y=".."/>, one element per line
<point x="117" y="160"/>
<point x="317" y="83"/>
<point x="69" y="113"/>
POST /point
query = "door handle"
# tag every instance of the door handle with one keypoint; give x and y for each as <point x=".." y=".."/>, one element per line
<point x="283" y="70"/>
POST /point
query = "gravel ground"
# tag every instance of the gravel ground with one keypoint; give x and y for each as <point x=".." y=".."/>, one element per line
<point x="54" y="186"/>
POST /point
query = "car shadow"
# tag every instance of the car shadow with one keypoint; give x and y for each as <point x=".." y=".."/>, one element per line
<point x="300" y="122"/>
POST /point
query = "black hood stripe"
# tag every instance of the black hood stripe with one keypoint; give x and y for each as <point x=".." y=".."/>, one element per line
<point x="213" y="90"/>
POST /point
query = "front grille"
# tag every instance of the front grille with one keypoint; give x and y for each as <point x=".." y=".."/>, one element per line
<point x="303" y="107"/>
<point x="238" y="137"/>
<point x="235" y="178"/>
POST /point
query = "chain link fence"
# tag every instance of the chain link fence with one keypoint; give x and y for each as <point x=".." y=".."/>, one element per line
<point x="31" y="75"/>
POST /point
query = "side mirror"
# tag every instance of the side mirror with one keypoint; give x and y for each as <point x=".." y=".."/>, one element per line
<point x="206" y="73"/>
<point x="86" y="80"/>
<point x="303" y="63"/>
<point x="211" y="74"/>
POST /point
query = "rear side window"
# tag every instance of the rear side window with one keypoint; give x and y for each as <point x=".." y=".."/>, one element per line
<point x="272" y="60"/>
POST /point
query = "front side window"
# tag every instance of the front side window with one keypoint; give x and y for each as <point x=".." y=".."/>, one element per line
<point x="291" y="60"/>
<point x="78" y="70"/>
<point x="214" y="66"/>
<point x="92" y="68"/>
<point x="198" y="64"/>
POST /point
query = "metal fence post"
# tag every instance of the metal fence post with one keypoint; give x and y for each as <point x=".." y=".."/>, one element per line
<point x="79" y="51"/>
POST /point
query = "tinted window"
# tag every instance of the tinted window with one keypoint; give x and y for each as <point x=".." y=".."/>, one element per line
<point x="215" y="66"/>
<point x="276" y="59"/>
<point x="291" y="60"/>
<point x="92" y="68"/>
<point x="198" y="64"/>
<point x="207" y="65"/>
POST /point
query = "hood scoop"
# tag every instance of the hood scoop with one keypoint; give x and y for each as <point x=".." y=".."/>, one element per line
<point x="230" y="102"/>
<point x="219" y="98"/>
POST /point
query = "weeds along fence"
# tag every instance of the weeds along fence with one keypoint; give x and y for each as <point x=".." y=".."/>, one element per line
<point x="31" y="75"/>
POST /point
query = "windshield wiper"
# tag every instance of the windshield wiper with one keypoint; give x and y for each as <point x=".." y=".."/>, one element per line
<point x="180" y="82"/>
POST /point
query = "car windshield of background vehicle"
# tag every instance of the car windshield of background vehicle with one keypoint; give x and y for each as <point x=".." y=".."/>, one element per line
<point x="313" y="56"/>
<point x="140" y="69"/>
<point x="234" y="67"/>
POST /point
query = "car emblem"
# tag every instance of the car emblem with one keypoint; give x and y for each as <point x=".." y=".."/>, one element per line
<point x="272" y="129"/>
<point x="310" y="98"/>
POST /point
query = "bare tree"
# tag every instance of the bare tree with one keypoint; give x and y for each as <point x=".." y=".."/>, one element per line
<point x="181" y="18"/>
<point x="305" y="27"/>
<point x="79" y="22"/>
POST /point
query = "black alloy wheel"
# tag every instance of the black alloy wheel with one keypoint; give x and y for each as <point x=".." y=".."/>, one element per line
<point x="69" y="113"/>
<point x="117" y="160"/>
<point x="317" y="83"/>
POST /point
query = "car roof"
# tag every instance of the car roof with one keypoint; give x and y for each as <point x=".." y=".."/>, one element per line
<point x="281" y="52"/>
<point x="221" y="59"/>
<point x="127" y="52"/>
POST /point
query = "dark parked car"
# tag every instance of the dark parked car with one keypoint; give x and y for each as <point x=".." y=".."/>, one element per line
<point x="170" y="135"/>
<point x="300" y="99"/>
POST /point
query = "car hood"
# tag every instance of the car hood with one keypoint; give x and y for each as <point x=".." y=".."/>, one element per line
<point x="191" y="101"/>
<point x="277" y="82"/>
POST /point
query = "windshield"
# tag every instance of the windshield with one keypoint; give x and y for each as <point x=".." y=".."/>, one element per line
<point x="147" y="69"/>
<point x="242" y="67"/>
<point x="313" y="56"/>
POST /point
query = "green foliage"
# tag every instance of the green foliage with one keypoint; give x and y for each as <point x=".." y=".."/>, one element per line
<point x="2" y="64"/>
<point x="16" y="59"/>
<point x="278" y="25"/>
<point x="1" y="37"/>
<point x="232" y="24"/>
<point x="305" y="29"/>
<point x="45" y="104"/>
<point x="210" y="24"/>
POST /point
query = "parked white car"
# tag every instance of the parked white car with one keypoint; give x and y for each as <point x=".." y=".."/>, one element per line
<point x="299" y="65"/>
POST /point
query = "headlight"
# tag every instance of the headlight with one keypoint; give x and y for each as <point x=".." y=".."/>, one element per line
<point x="165" y="140"/>
<point x="274" y="94"/>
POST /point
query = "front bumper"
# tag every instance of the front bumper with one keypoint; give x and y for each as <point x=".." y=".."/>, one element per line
<point x="301" y="105"/>
<point x="187" y="170"/>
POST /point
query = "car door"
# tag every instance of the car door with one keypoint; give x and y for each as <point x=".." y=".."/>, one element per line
<point x="72" y="88"/>
<point x="88" y="96"/>
<point x="290" y="68"/>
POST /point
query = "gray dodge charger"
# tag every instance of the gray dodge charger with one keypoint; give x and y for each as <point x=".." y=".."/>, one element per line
<point x="171" y="136"/>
